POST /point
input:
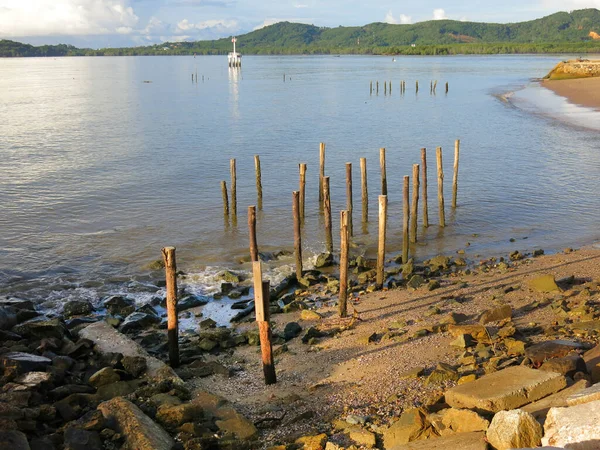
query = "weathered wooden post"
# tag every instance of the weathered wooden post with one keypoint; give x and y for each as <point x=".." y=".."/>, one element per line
<point x="371" y="88"/>
<point x="349" y="204"/>
<point x="405" y="217"/>
<point x="381" y="242"/>
<point x="233" y="188"/>
<point x="377" y="88"/>
<point x="344" y="248"/>
<point x="327" y="211"/>
<point x="390" y="83"/>
<point x="302" y="189"/>
<point x="385" y="88"/>
<point x="434" y="86"/>
<point x="258" y="181"/>
<point x="446" y="87"/>
<point x="414" y="208"/>
<point x="225" y="199"/>
<point x="417" y="87"/>
<point x="297" y="233"/>
<point x="321" y="170"/>
<point x="424" y="184"/>
<point x="455" y="178"/>
<point x="440" y="176"/>
<point x="365" y="191"/>
<point x="168" y="254"/>
<point x="383" y="172"/>
<point x="252" y="233"/>
<point x="261" y="306"/>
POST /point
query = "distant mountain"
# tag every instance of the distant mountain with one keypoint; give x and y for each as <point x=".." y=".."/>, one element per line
<point x="575" y="31"/>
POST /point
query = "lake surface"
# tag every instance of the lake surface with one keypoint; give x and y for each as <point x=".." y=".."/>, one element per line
<point x="103" y="161"/>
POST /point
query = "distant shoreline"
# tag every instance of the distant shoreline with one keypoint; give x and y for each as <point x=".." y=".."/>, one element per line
<point x="581" y="91"/>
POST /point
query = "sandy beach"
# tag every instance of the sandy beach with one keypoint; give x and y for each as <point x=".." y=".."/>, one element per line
<point x="581" y="91"/>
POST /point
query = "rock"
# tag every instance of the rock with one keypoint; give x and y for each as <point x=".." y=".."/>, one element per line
<point x="173" y="416"/>
<point x="8" y="318"/>
<point x="139" y="431"/>
<point x="574" y="427"/>
<point x="117" y="389"/>
<point x="118" y="305"/>
<point x="413" y="373"/>
<point x="91" y="421"/>
<point x="506" y="389"/>
<point x="75" y="405"/>
<point x="138" y="321"/>
<point x="361" y="436"/>
<point x="415" y="282"/>
<point x="207" y="323"/>
<point x="104" y="376"/>
<point x="462" y="441"/>
<point x="310" y="334"/>
<point x="439" y="262"/>
<point x="230" y="421"/>
<point x="228" y="277"/>
<point x="432" y="286"/>
<point x="308" y="314"/>
<point x="13" y="440"/>
<point x="207" y="344"/>
<point x="463" y="341"/>
<point x="540" y="408"/>
<point x="18" y="363"/>
<point x="77" y="439"/>
<point x="134" y="365"/>
<point x="312" y="442"/>
<point x="592" y="362"/>
<point x="77" y="308"/>
<point x="543" y="284"/>
<point x="443" y="372"/>
<point x="514" y="429"/>
<point x="17" y="303"/>
<point x="567" y="365"/>
<point x="496" y="314"/>
<point x="291" y="330"/>
<point x="412" y="426"/>
<point x="408" y="268"/>
<point x="41" y="328"/>
<point x="68" y="389"/>
<point x="587" y="395"/>
<point x="538" y="353"/>
<point x="514" y="346"/>
<point x="191" y="301"/>
<point x="479" y="332"/>
<point x="459" y="420"/>
<point x="34" y="380"/>
<point x="324" y="260"/>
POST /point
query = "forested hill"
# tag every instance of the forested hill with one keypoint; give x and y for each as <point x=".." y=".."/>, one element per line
<point x="578" y="31"/>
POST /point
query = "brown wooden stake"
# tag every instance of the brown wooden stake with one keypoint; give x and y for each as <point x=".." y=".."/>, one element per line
<point x="405" y="217"/>
<point x="225" y="199"/>
<point x="383" y="172"/>
<point x="390" y="83"/>
<point x="261" y="306"/>
<point x="258" y="181"/>
<point x="297" y="233"/>
<point x="371" y="88"/>
<point x="321" y="169"/>
<point x="446" y="87"/>
<point x="344" y="248"/>
<point x="424" y="184"/>
<point x="168" y="254"/>
<point x="364" y="189"/>
<point x="434" y="86"/>
<point x="349" y="205"/>
<point x="377" y="90"/>
<point x="455" y="178"/>
<point x="385" y="88"/>
<point x="233" y="188"/>
<point x="327" y="211"/>
<point x="440" y="176"/>
<point x="414" y="207"/>
<point x="302" y="189"/>
<point x="417" y="87"/>
<point x="381" y="243"/>
<point x="252" y="233"/>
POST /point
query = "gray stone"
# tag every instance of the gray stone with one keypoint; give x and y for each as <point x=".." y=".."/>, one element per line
<point x="514" y="429"/>
<point x="17" y="303"/>
<point x="191" y="301"/>
<point x="324" y="260"/>
<point x="135" y="365"/>
<point x="78" y="439"/>
<point x="13" y="440"/>
<point x="575" y="427"/>
<point x="416" y="281"/>
<point x="41" y="328"/>
<point x="8" y="318"/>
<point x="118" y="305"/>
<point x="540" y="408"/>
<point x="104" y="376"/>
<point x="587" y="395"/>
<point x="138" y="321"/>
<point x="291" y="330"/>
<point x="77" y="308"/>
<point x="18" y="362"/>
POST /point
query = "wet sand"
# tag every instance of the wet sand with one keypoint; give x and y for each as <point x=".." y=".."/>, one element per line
<point x="581" y="91"/>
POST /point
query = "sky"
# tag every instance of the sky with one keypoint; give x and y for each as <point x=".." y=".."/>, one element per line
<point x="120" y="23"/>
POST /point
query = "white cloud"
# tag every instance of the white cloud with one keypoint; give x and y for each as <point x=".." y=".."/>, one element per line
<point x="402" y="19"/>
<point x="569" y="5"/>
<point x="65" y="17"/>
<point x="297" y="5"/>
<point x="439" y="14"/>
<point x="216" y="26"/>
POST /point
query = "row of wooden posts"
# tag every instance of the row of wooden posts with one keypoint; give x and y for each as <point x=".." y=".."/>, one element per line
<point x="387" y="87"/>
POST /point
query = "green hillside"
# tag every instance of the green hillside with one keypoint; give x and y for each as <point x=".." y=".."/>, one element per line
<point x="560" y="32"/>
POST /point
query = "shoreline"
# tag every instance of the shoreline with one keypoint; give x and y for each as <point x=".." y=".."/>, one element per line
<point x="580" y="91"/>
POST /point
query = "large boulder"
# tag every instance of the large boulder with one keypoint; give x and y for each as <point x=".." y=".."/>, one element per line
<point x="573" y="427"/>
<point x="514" y="429"/>
<point x="41" y="328"/>
<point x="13" y="440"/>
<point x="412" y="425"/>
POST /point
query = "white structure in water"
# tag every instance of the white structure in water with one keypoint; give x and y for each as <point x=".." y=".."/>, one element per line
<point x="234" y="58"/>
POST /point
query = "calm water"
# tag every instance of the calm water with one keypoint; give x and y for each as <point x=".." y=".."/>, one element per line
<point x="99" y="169"/>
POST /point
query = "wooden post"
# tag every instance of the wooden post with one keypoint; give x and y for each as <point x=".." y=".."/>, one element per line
<point x="424" y="184"/>
<point x="168" y="254"/>
<point x="431" y="87"/>
<point x="383" y="173"/>
<point x="233" y="188"/>
<point x="381" y="243"/>
<point x="377" y="88"/>
<point x="414" y="208"/>
<point x="349" y="204"/>
<point x="302" y="189"/>
<point x="258" y="181"/>
<point x="455" y="178"/>
<point x="371" y="88"/>
<point x="327" y="210"/>
<point x="365" y="191"/>
<point x="261" y="305"/>
<point x="225" y="199"/>
<point x="446" y="87"/>
<point x="344" y="247"/>
<point x="405" y="217"/>
<point x="440" y="176"/>
<point x="385" y="88"/>
<point x="390" y="83"/>
<point x="252" y="233"/>
<point x="434" y="86"/>
<point x="297" y="233"/>
<point x="321" y="169"/>
<point x="417" y="87"/>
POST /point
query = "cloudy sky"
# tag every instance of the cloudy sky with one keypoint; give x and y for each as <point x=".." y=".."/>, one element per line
<point x="103" y="23"/>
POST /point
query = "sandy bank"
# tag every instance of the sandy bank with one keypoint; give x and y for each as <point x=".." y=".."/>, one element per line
<point x="582" y="91"/>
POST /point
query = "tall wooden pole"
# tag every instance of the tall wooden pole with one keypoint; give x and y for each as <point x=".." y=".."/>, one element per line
<point x="383" y="172"/>
<point x="297" y="233"/>
<point x="261" y="305"/>
<point x="225" y="199"/>
<point x="405" y="217"/>
<point x="259" y="194"/>
<point x="233" y="188"/>
<point x="252" y="233"/>
<point x="424" y="184"/>
<point x="302" y="168"/>
<point x="381" y="243"/>
<point x="364" y="189"/>
<point x="168" y="254"/>
<point x="327" y="211"/>
<point x="455" y="178"/>
<point x="440" y="176"/>
<point x="321" y="169"/>
<point x="414" y="207"/>
<point x="349" y="205"/>
<point x="344" y="248"/>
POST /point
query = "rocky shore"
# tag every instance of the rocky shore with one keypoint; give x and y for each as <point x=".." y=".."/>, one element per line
<point x="499" y="354"/>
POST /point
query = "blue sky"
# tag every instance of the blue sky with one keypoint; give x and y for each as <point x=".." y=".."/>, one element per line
<point x="99" y="23"/>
